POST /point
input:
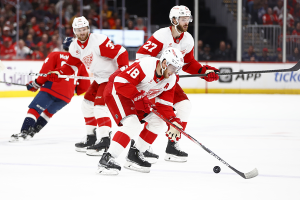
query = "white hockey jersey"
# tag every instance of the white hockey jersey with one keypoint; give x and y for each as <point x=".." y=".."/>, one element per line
<point x="99" y="55"/>
<point x="162" y="39"/>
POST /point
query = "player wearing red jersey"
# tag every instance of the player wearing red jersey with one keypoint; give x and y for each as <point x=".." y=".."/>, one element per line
<point x="127" y="96"/>
<point x="102" y="58"/>
<point x="176" y="36"/>
<point x="53" y="96"/>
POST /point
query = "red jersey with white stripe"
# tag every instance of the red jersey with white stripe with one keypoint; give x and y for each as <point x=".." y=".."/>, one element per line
<point x="141" y="75"/>
<point x="162" y="39"/>
<point x="63" y="89"/>
<point x="99" y="55"/>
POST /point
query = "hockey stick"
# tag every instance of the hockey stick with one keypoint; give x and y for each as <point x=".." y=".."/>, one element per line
<point x="248" y="175"/>
<point x="12" y="83"/>
<point x="60" y="76"/>
<point x="295" y="68"/>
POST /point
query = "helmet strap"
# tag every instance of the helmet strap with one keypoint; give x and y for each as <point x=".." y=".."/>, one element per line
<point x="175" y="25"/>
<point x="162" y="69"/>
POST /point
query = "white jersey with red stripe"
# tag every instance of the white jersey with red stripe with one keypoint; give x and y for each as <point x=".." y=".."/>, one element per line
<point x="162" y="39"/>
<point x="141" y="75"/>
<point x="99" y="55"/>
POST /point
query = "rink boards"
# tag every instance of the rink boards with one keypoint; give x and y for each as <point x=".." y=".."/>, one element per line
<point x="268" y="83"/>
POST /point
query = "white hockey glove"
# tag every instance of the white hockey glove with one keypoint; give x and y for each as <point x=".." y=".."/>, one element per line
<point x="172" y="133"/>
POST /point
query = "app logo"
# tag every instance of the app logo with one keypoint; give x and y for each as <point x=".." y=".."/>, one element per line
<point x="225" y="78"/>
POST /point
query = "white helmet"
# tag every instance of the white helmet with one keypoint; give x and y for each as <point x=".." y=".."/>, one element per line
<point x="173" y="57"/>
<point x="80" y="22"/>
<point x="180" y="11"/>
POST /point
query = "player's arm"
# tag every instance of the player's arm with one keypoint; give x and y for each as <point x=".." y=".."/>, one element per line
<point x="125" y="85"/>
<point x="116" y="52"/>
<point x="164" y="105"/>
<point x="83" y="84"/>
<point x="48" y="65"/>
<point x="194" y="67"/>
<point x="152" y="47"/>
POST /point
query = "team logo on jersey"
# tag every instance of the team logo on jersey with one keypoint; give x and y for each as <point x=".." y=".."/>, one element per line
<point x="183" y="51"/>
<point x="77" y="52"/>
<point x="177" y="41"/>
<point x="166" y="86"/>
<point x="87" y="60"/>
<point x="170" y="44"/>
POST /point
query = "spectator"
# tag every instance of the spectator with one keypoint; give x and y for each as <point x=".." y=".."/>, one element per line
<point x="29" y="41"/>
<point x="278" y="58"/>
<point x="270" y="18"/>
<point x="221" y="54"/>
<point x="265" y="57"/>
<point x="231" y="52"/>
<point x="106" y="12"/>
<point x="207" y="55"/>
<point x="129" y="25"/>
<point x="6" y="33"/>
<point x="53" y="43"/>
<point x="22" y="51"/>
<point x="200" y="49"/>
<point x="289" y="20"/>
<point x="140" y="25"/>
<point x="250" y="55"/>
<point x="7" y="50"/>
<point x="297" y="30"/>
<point x="118" y="24"/>
<point x="250" y="6"/>
<point x="38" y="53"/>
<point x="262" y="11"/>
<point x="295" y="56"/>
<point x="25" y="7"/>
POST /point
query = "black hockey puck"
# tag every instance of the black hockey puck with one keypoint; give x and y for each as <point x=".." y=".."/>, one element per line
<point x="217" y="169"/>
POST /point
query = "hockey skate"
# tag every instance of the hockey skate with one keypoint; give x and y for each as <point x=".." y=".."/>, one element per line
<point x="148" y="154"/>
<point x="23" y="136"/>
<point x="99" y="147"/>
<point x="89" y="141"/>
<point x="135" y="160"/>
<point x="107" y="165"/>
<point x="174" y="154"/>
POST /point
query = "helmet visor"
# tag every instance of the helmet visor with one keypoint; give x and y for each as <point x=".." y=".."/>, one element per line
<point x="81" y="30"/>
<point x="185" y="19"/>
<point x="173" y="69"/>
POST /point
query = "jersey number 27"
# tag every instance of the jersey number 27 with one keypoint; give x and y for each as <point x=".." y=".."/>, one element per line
<point x="150" y="46"/>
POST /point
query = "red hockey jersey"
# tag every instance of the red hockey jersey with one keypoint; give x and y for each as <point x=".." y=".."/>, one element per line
<point x="63" y="89"/>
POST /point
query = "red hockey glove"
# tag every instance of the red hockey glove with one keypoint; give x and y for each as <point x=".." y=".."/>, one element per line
<point x="142" y="102"/>
<point x="172" y="133"/>
<point x="211" y="73"/>
<point x="32" y="86"/>
<point x="53" y="76"/>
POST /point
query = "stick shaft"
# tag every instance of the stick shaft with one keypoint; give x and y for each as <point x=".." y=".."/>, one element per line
<point x="12" y="83"/>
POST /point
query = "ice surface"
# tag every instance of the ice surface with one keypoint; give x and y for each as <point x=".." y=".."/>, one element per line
<point x="247" y="131"/>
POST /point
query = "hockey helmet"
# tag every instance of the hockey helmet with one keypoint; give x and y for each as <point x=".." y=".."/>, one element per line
<point x="180" y="11"/>
<point x="173" y="57"/>
<point x="67" y="42"/>
<point x="80" y="22"/>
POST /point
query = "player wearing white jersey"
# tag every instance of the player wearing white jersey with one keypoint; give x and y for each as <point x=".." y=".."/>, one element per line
<point x="176" y="36"/>
<point x="102" y="58"/>
<point x="127" y="96"/>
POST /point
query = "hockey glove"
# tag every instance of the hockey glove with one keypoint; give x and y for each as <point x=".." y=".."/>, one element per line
<point x="142" y="102"/>
<point x="32" y="86"/>
<point x="53" y="76"/>
<point x="211" y="73"/>
<point x="172" y="133"/>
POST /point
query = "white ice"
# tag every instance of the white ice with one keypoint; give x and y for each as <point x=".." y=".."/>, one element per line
<point x="247" y="131"/>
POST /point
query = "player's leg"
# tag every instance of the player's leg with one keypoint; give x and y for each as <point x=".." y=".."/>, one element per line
<point x="45" y="116"/>
<point x="102" y="116"/>
<point x="41" y="102"/>
<point x="125" y="117"/>
<point x="87" y="109"/>
<point x="183" y="107"/>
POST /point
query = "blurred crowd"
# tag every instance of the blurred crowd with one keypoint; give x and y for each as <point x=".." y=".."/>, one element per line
<point x="223" y="53"/>
<point x="39" y="25"/>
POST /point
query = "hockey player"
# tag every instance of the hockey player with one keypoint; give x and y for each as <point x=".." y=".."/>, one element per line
<point x="53" y="96"/>
<point x="126" y="96"/>
<point x="177" y="36"/>
<point x="102" y="57"/>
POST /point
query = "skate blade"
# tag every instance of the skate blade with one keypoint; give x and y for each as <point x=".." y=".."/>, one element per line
<point x="105" y="171"/>
<point x="15" y="140"/>
<point x="135" y="167"/>
<point x="94" y="153"/>
<point x="80" y="149"/>
<point x="151" y="160"/>
<point x="172" y="158"/>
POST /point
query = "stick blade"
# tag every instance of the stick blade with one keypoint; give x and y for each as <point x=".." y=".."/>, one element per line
<point x="251" y="174"/>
